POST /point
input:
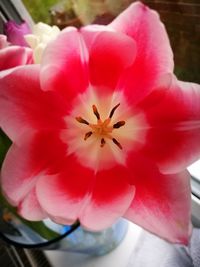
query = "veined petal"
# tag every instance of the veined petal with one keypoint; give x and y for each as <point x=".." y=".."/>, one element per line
<point x="154" y="55"/>
<point x="33" y="155"/>
<point x="162" y="202"/>
<point x="30" y="209"/>
<point x="63" y="67"/>
<point x="85" y="196"/>
<point x="173" y="116"/>
<point x="110" y="53"/>
<point x="13" y="56"/>
<point x="23" y="105"/>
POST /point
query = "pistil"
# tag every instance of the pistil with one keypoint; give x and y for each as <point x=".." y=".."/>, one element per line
<point x="102" y="128"/>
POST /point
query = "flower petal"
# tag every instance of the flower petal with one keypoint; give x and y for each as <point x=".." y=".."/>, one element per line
<point x="162" y="202"/>
<point x="3" y="41"/>
<point x="23" y="105"/>
<point x="111" y="196"/>
<point x="15" y="32"/>
<point x="174" y="119"/>
<point x="110" y="53"/>
<point x="32" y="156"/>
<point x="13" y="56"/>
<point x="89" y="33"/>
<point x="96" y="200"/>
<point x="154" y="55"/>
<point x="63" y="66"/>
<point x="30" y="208"/>
<point x="62" y="195"/>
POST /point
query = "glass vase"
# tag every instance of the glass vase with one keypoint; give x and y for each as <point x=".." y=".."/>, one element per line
<point x="19" y="233"/>
<point x="94" y="243"/>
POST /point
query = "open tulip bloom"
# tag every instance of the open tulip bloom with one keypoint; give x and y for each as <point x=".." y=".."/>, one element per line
<point x="103" y="129"/>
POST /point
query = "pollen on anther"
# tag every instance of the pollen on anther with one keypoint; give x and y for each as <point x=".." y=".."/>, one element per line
<point x="81" y="120"/>
<point x="119" y="124"/>
<point x="117" y="143"/>
<point x="103" y="142"/>
<point x="87" y="135"/>
<point x="113" y="111"/>
<point x="96" y="113"/>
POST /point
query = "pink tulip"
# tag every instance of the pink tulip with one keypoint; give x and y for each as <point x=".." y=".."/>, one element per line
<point x="103" y="129"/>
<point x="15" y="32"/>
<point x="13" y="55"/>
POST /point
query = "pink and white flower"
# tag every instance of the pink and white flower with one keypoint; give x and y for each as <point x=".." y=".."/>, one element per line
<point x="41" y="35"/>
<point x="14" y="50"/>
<point x="103" y="129"/>
<point x="13" y="55"/>
<point x="15" y="32"/>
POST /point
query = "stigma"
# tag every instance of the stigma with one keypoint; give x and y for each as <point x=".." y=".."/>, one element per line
<point x="102" y="129"/>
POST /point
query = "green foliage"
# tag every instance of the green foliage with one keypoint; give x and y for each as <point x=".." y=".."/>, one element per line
<point x="4" y="146"/>
<point x="39" y="227"/>
<point x="39" y="9"/>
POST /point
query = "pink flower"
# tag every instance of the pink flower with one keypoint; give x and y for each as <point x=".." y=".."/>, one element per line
<point x="15" y="32"/>
<point x="13" y="55"/>
<point x="102" y="129"/>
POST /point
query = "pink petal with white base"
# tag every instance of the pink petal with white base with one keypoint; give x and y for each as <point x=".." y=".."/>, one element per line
<point x="23" y="105"/>
<point x="30" y="208"/>
<point x="63" y="66"/>
<point x="162" y="202"/>
<point x="29" y="158"/>
<point x="110" y="198"/>
<point x="62" y="195"/>
<point x="13" y="56"/>
<point x="83" y="196"/>
<point x="174" y="123"/>
<point x="154" y="55"/>
<point x="18" y="175"/>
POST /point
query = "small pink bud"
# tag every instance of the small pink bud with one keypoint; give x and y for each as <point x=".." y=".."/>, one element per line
<point x="15" y="32"/>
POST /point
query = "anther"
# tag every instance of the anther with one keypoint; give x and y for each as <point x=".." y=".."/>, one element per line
<point x="96" y="113"/>
<point x="103" y="142"/>
<point x="117" y="143"/>
<point x="81" y="120"/>
<point x="87" y="135"/>
<point x="113" y="111"/>
<point x="118" y="124"/>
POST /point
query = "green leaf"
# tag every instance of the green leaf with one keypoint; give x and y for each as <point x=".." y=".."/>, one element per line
<point x="5" y="143"/>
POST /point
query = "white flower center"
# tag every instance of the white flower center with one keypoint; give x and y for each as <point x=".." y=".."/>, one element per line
<point x="101" y="130"/>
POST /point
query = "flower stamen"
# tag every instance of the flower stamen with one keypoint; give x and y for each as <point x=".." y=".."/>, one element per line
<point x="102" y="129"/>
<point x="117" y="143"/>
<point x="81" y="120"/>
<point x="103" y="142"/>
<point x="119" y="124"/>
<point x="95" y="111"/>
<point x="113" y="111"/>
<point x="87" y="135"/>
